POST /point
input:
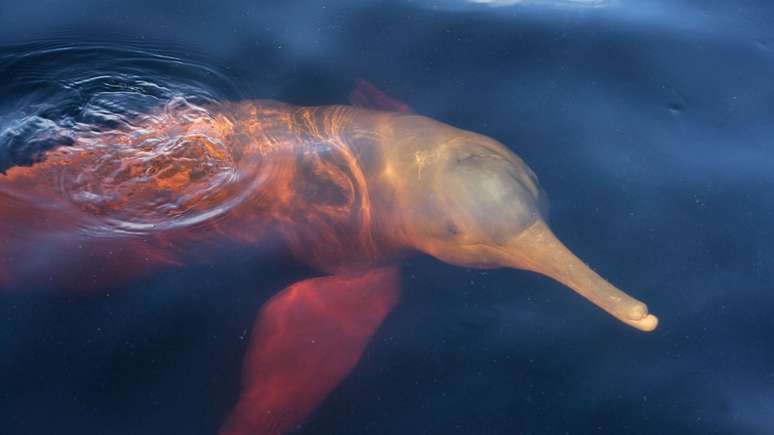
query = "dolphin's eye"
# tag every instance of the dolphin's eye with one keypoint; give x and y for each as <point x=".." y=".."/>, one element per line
<point x="452" y="228"/>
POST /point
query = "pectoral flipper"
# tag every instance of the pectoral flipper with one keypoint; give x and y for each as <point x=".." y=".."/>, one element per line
<point x="306" y="340"/>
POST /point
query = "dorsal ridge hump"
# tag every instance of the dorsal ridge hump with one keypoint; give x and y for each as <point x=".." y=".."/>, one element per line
<point x="366" y="95"/>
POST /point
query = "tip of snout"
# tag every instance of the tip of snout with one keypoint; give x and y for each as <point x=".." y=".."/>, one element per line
<point x="637" y="316"/>
<point x="640" y="318"/>
<point x="538" y="249"/>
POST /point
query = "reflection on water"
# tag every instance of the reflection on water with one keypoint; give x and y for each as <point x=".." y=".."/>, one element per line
<point x="127" y="117"/>
<point x="558" y="3"/>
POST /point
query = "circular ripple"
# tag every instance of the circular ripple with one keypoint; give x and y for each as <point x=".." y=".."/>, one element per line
<point x="140" y="132"/>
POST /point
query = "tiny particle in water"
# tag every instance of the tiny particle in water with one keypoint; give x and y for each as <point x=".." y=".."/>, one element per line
<point x="676" y="108"/>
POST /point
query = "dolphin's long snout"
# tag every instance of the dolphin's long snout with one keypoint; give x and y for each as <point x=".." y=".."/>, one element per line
<point x="538" y="249"/>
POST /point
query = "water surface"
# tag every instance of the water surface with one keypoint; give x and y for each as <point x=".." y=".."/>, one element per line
<point x="649" y="126"/>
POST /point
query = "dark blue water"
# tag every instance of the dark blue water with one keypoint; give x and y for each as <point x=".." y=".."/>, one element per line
<point x="650" y="125"/>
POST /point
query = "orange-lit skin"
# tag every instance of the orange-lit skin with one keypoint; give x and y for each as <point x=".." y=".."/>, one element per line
<point x="346" y="190"/>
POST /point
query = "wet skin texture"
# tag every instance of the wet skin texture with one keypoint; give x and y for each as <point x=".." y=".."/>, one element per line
<point x="346" y="190"/>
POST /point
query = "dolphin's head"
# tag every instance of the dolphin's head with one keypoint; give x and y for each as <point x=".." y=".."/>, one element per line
<point x="467" y="200"/>
<point x="474" y="200"/>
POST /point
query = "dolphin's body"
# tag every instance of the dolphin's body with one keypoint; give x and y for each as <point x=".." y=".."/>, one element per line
<point x="346" y="189"/>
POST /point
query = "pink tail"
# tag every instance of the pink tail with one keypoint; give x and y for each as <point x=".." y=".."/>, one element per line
<point x="42" y="244"/>
<point x="306" y="340"/>
<point x="39" y="249"/>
